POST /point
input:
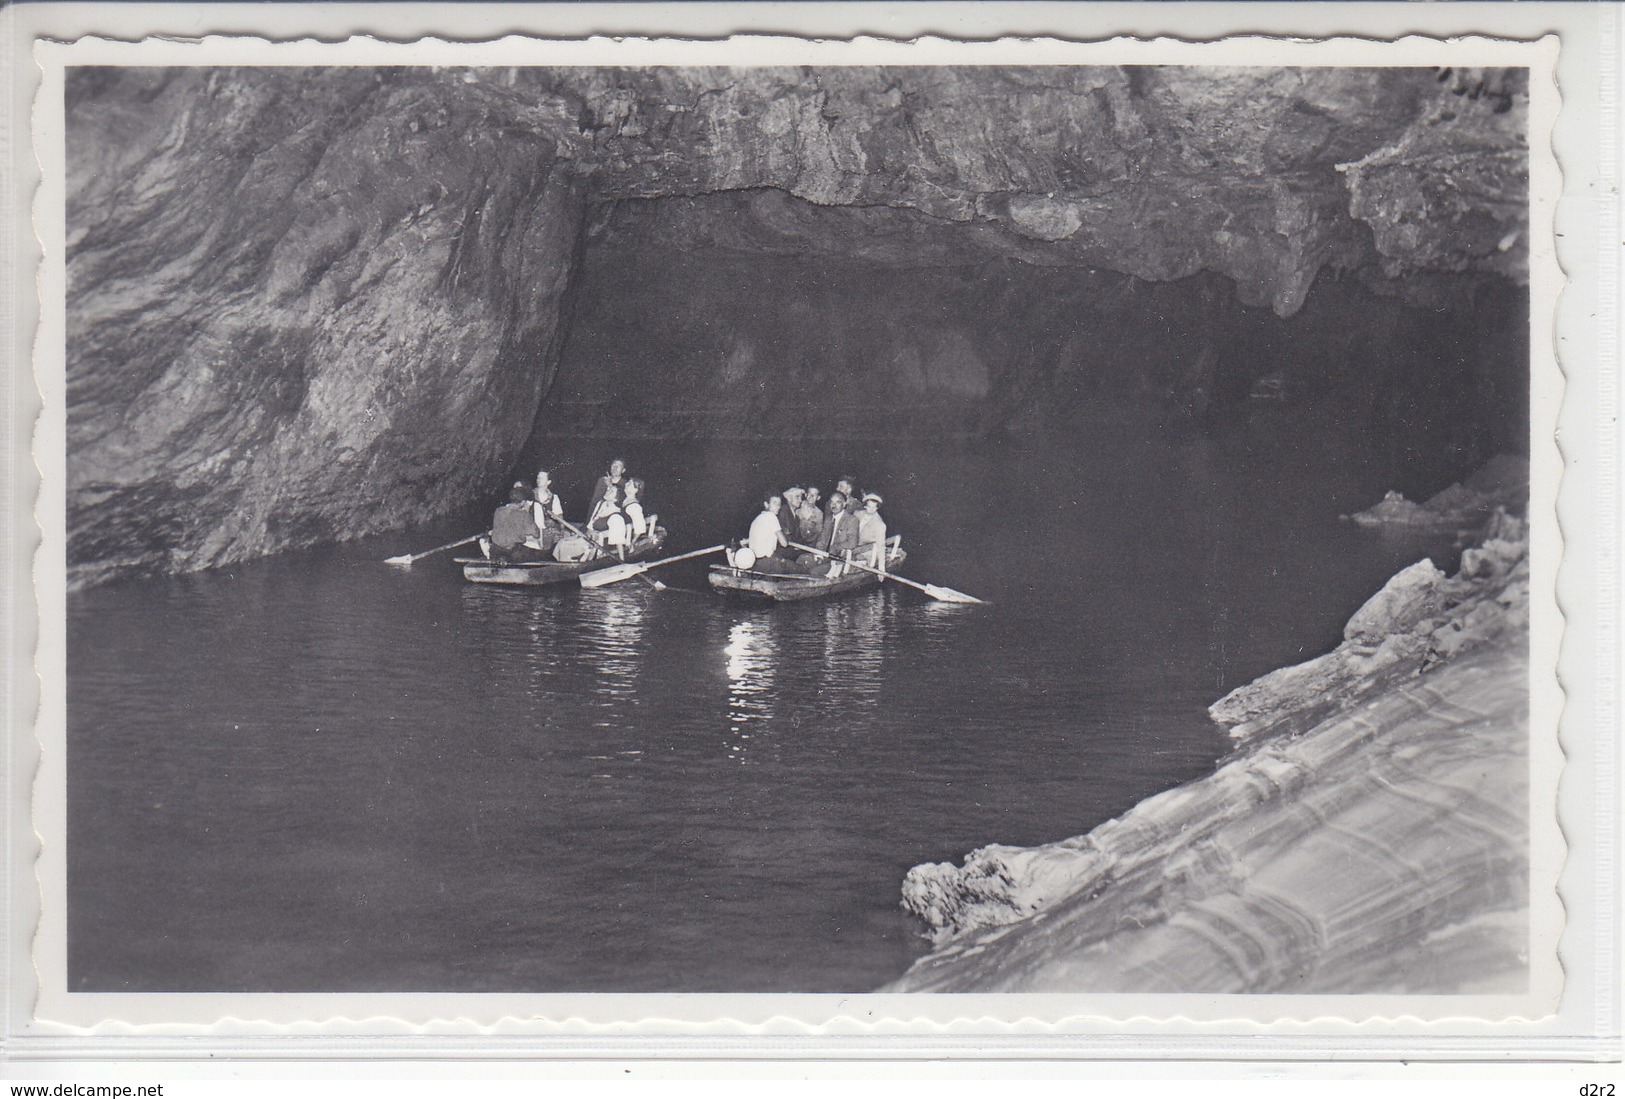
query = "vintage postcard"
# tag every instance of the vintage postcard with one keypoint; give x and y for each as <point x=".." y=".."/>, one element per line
<point x="564" y="535"/>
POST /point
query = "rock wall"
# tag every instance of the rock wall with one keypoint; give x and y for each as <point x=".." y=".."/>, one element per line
<point x="1370" y="835"/>
<point x="301" y="307"/>
<point x="310" y="305"/>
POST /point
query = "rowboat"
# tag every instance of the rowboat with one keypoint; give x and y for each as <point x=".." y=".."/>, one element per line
<point x="530" y="574"/>
<point x="754" y="584"/>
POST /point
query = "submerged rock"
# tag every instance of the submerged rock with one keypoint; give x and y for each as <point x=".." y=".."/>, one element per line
<point x="1395" y="510"/>
<point x="1502" y="483"/>
<point x="1370" y="835"/>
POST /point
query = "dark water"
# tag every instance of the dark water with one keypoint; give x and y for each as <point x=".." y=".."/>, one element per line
<point x="321" y="773"/>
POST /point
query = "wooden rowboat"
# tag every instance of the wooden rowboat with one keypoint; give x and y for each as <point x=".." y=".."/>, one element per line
<point x="530" y="574"/>
<point x="754" y="584"/>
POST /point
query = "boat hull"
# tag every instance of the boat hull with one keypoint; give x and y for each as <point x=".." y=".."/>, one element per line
<point x="534" y="574"/>
<point x="751" y="584"/>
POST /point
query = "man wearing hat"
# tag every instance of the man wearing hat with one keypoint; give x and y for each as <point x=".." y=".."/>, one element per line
<point x="789" y="510"/>
<point x="871" y="532"/>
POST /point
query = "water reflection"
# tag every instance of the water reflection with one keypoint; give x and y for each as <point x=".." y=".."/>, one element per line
<point x="497" y="769"/>
<point x="854" y="644"/>
<point x="611" y="624"/>
<point x="519" y="637"/>
<point x="613" y="619"/>
<point x="752" y="656"/>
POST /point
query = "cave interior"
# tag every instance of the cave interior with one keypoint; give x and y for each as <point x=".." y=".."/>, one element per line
<point x="295" y="292"/>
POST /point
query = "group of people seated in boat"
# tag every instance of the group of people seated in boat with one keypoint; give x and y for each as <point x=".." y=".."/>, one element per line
<point x="792" y="535"/>
<point x="531" y="525"/>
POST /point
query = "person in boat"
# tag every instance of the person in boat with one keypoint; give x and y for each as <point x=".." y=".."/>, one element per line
<point x="638" y="524"/>
<point x="818" y="561"/>
<point x="809" y="520"/>
<point x="616" y="477"/>
<point x="838" y="541"/>
<point x="871" y="532"/>
<point x="608" y="522"/>
<point x="548" y="509"/>
<point x="854" y="504"/>
<point x="766" y="534"/>
<point x="843" y="489"/>
<point x="514" y="533"/>
<point x="843" y="530"/>
<point x="788" y="519"/>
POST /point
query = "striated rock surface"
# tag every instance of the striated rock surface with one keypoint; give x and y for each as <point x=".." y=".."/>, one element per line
<point x="1417" y="620"/>
<point x="307" y="305"/>
<point x="1370" y="834"/>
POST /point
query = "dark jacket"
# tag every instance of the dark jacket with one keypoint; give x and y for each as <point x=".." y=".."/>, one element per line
<point x="840" y="534"/>
<point x="512" y="524"/>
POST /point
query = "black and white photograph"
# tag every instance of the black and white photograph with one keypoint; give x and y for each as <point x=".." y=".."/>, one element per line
<point x="748" y="526"/>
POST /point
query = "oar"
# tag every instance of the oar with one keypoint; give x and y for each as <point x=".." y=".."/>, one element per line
<point x="408" y="558"/>
<point x="598" y="551"/>
<point x="947" y="595"/>
<point x="635" y="568"/>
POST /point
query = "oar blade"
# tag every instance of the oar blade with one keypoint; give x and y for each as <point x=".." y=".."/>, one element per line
<point x="409" y="558"/>
<point x="948" y="595"/>
<point x="614" y="573"/>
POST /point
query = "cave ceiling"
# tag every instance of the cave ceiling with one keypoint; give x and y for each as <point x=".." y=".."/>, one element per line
<point x="1261" y="175"/>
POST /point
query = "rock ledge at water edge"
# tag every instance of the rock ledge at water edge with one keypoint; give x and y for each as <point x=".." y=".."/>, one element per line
<point x="1369" y="835"/>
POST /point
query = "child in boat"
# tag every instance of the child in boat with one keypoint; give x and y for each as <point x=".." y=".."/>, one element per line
<point x="514" y="534"/>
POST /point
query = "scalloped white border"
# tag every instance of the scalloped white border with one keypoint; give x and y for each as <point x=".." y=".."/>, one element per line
<point x="47" y="1008"/>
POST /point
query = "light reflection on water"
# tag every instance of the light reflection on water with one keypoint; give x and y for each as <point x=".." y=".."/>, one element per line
<point x="615" y="645"/>
<point x="317" y="772"/>
<point x="751" y="656"/>
<point x="854" y="648"/>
